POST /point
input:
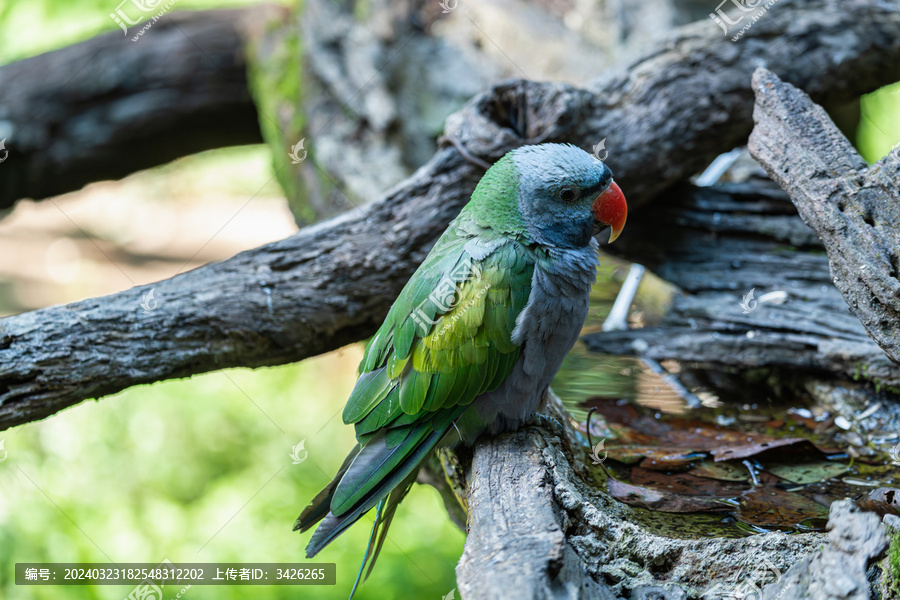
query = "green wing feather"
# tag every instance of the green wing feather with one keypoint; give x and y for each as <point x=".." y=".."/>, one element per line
<point x="454" y="341"/>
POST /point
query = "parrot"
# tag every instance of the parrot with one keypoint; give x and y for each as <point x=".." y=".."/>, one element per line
<point x="476" y="335"/>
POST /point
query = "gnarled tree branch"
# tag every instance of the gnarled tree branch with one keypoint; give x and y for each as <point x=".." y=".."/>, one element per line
<point x="854" y="208"/>
<point x="108" y="106"/>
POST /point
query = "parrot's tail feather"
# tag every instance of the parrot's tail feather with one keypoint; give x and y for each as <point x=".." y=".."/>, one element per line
<point x="332" y="525"/>
<point x="387" y="515"/>
<point x="368" y="548"/>
<point x="321" y="504"/>
<point x="377" y="470"/>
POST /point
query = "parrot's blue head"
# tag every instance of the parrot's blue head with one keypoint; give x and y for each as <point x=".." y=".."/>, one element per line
<point x="566" y="195"/>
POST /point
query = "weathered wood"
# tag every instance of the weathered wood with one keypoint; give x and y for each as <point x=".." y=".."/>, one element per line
<point x="537" y="525"/>
<point x="718" y="244"/>
<point x="517" y="540"/>
<point x="839" y="570"/>
<point x="368" y="92"/>
<point x="853" y="208"/>
<point x="331" y="284"/>
<point x="108" y="106"/>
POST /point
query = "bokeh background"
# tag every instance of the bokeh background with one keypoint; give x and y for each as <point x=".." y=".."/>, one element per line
<point x="200" y="470"/>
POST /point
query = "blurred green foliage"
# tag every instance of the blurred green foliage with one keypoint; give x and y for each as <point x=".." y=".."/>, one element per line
<point x="879" y="126"/>
<point x="200" y="470"/>
<point x="35" y="26"/>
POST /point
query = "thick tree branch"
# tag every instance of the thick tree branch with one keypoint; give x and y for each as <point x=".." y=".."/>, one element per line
<point x="664" y="116"/>
<point x="728" y="241"/>
<point x="852" y="207"/>
<point x="109" y="106"/>
<point x="540" y="523"/>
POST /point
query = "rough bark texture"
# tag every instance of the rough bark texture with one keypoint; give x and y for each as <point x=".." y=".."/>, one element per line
<point x="839" y="570"/>
<point x="107" y="107"/>
<point x="539" y="525"/>
<point x="852" y="207"/>
<point x="333" y="283"/>
<point x="728" y="241"/>
<point x="517" y="540"/>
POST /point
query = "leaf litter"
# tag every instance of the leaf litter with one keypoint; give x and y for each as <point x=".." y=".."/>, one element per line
<point x="770" y="479"/>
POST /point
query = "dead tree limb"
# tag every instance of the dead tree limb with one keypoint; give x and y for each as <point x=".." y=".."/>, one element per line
<point x="854" y="208"/>
<point x="718" y="244"/>
<point x="665" y="117"/>
<point x="108" y="106"/>
<point x="839" y="569"/>
<point x="540" y="524"/>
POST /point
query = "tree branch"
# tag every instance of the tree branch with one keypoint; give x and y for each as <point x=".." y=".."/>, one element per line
<point x="730" y="240"/>
<point x="664" y="118"/>
<point x="541" y="523"/>
<point x="854" y="208"/>
<point x="108" y="106"/>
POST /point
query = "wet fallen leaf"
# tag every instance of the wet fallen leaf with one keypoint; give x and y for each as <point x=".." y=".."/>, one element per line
<point x="653" y="455"/>
<point x="753" y="444"/>
<point x="668" y="441"/>
<point x="769" y="506"/>
<point x="685" y="483"/>
<point x="721" y="470"/>
<point x="662" y="501"/>
<point x="808" y="472"/>
<point x="679" y="465"/>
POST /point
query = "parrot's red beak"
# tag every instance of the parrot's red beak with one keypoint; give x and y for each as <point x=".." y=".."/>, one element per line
<point x="610" y="209"/>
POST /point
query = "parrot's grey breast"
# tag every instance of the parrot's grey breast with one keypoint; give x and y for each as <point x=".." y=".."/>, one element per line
<point x="547" y="329"/>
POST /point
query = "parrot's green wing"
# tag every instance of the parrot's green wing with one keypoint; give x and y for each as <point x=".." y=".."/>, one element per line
<point x="446" y="340"/>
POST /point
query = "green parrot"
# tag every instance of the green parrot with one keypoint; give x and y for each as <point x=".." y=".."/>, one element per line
<point x="478" y="332"/>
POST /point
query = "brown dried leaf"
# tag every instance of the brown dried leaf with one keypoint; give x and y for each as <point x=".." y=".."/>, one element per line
<point x="662" y="501"/>
<point x="769" y="506"/>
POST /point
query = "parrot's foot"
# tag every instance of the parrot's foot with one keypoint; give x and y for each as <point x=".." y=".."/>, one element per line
<point x="547" y="422"/>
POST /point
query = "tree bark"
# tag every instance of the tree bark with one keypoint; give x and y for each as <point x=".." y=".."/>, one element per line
<point x="854" y="208"/>
<point x="107" y="107"/>
<point x="333" y="283"/>
<point x="539" y="524"/>
<point x="727" y="241"/>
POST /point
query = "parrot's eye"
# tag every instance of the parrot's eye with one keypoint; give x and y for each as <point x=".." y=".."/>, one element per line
<point x="567" y="194"/>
